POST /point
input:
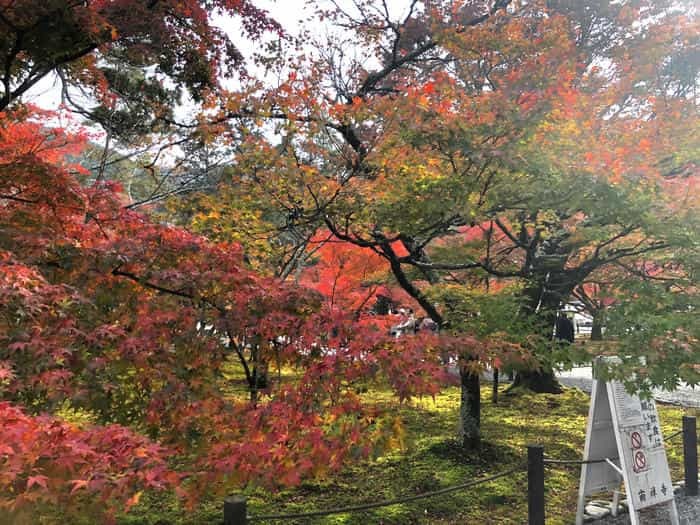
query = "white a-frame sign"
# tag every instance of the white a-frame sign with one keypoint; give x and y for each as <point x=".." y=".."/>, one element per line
<point x="624" y="435"/>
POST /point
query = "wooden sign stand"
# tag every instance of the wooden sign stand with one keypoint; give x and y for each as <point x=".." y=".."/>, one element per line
<point x="623" y="435"/>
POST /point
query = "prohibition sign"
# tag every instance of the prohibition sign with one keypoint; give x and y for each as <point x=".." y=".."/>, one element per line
<point x="636" y="439"/>
<point x="640" y="461"/>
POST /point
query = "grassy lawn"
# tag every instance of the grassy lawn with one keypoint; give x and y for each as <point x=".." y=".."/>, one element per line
<point x="431" y="460"/>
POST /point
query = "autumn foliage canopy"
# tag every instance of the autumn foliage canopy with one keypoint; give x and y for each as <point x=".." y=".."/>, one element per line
<point x="153" y="348"/>
<point x="135" y="324"/>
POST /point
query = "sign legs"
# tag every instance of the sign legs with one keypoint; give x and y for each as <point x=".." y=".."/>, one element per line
<point x="614" y="509"/>
<point x="580" y="507"/>
<point x="675" y="519"/>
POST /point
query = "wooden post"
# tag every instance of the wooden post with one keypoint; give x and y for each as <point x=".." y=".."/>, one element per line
<point x="235" y="510"/>
<point x="535" y="484"/>
<point x="494" y="394"/>
<point x="690" y="455"/>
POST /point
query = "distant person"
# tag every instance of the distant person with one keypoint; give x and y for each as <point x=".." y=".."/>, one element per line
<point x="564" y="329"/>
<point x="428" y="324"/>
<point x="395" y="330"/>
<point x="407" y="325"/>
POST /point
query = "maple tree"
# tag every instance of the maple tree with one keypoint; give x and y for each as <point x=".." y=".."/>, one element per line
<point x="490" y="156"/>
<point x="550" y="124"/>
<point x="137" y="325"/>
<point x="350" y="279"/>
<point x="47" y="461"/>
<point x="107" y="312"/>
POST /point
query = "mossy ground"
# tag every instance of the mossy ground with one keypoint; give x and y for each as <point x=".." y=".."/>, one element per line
<point x="431" y="460"/>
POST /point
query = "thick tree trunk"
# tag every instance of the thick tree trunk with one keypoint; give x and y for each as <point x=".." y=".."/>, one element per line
<point x="470" y="410"/>
<point x="540" y="382"/>
<point x="542" y="303"/>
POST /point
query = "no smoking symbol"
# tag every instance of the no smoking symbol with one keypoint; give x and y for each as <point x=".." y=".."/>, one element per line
<point x="640" y="461"/>
<point x="636" y="440"/>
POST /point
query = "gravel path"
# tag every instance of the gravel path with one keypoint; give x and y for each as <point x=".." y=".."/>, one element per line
<point x="688" y="512"/>
<point x="581" y="377"/>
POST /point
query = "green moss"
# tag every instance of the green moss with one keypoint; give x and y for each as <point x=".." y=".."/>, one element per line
<point x="432" y="460"/>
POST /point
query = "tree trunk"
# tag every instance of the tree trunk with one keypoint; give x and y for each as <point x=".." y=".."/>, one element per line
<point x="470" y="398"/>
<point x="258" y="379"/>
<point x="470" y="410"/>
<point x="538" y="381"/>
<point x="494" y="392"/>
<point x="597" y="328"/>
<point x="543" y="304"/>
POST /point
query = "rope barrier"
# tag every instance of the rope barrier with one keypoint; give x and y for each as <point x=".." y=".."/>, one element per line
<point x="675" y="434"/>
<point x="368" y="506"/>
<point x="538" y="464"/>
<point x="574" y="461"/>
<point x="592" y="461"/>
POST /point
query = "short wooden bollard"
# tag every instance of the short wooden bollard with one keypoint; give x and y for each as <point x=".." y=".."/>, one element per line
<point x="235" y="510"/>
<point x="535" y="484"/>
<point x="690" y="455"/>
